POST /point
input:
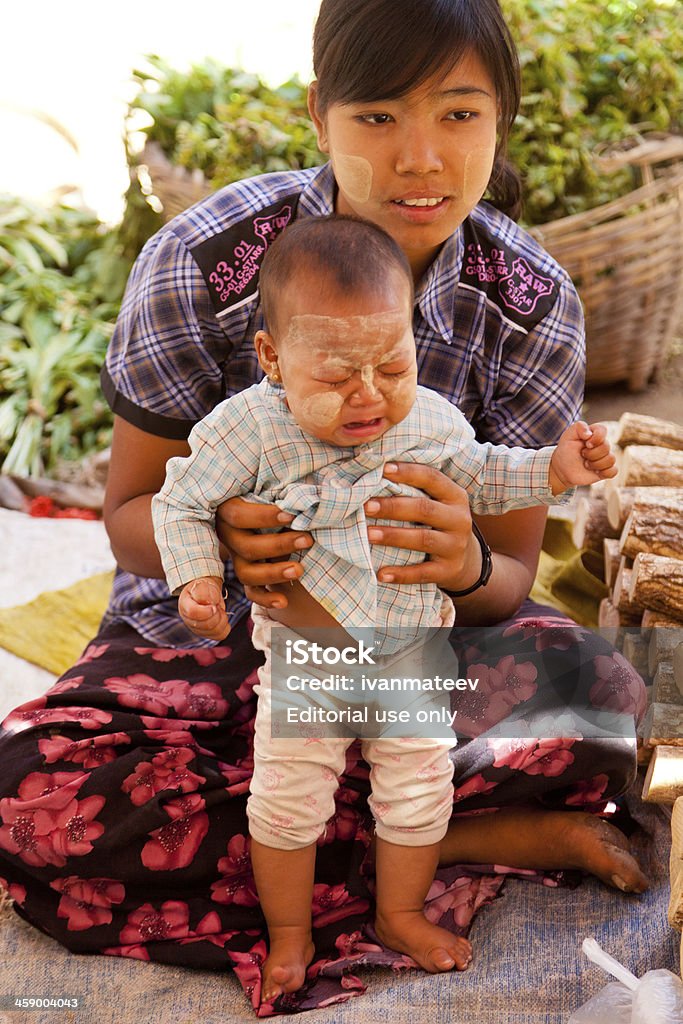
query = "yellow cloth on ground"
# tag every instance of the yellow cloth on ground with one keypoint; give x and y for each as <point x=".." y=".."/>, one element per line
<point x="52" y="630"/>
<point x="569" y="579"/>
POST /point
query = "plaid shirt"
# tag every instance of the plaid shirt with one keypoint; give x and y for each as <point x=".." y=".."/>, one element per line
<point x="497" y="323"/>
<point x="251" y="446"/>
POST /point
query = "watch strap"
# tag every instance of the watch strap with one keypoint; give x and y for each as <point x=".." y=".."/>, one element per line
<point x="486" y="565"/>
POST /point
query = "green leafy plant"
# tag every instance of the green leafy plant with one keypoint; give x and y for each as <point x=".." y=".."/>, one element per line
<point x="61" y="282"/>
<point x="226" y="123"/>
<point x="593" y="75"/>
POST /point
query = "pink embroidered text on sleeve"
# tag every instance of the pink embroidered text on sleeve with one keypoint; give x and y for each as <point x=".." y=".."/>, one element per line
<point x="523" y="287"/>
<point x="231" y="277"/>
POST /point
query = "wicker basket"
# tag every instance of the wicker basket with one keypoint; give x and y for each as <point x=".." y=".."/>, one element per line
<point x="175" y="187"/>
<point x="626" y="260"/>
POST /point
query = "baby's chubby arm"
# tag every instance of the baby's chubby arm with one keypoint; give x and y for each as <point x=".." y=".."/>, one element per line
<point x="202" y="608"/>
<point x="582" y="456"/>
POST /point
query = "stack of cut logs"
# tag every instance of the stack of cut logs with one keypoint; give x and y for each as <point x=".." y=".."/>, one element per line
<point x="636" y="520"/>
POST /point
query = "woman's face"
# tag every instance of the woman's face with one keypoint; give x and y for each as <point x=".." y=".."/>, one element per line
<point x="417" y="165"/>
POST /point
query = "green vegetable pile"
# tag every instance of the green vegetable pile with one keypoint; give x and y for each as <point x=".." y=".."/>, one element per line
<point x="61" y="282"/>
<point x="593" y="75"/>
<point x="223" y="122"/>
<point x="226" y="123"/>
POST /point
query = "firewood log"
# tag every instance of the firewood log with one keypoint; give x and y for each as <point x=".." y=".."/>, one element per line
<point x="658" y="620"/>
<point x="645" y="465"/>
<point x="657" y="583"/>
<point x="635" y="649"/>
<point x="621" y="594"/>
<point x="611" y="622"/>
<point x="676" y="866"/>
<point x="657" y="528"/>
<point x="591" y="524"/>
<point x="662" y="645"/>
<point x="677" y="661"/>
<point x="610" y="547"/>
<point x="637" y="429"/>
<point x="664" y="778"/>
<point x="663" y="726"/>
<point x="620" y="500"/>
<point x="664" y="689"/>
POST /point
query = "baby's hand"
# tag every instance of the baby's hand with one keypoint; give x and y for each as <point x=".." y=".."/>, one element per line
<point x="582" y="456"/>
<point x="202" y="608"/>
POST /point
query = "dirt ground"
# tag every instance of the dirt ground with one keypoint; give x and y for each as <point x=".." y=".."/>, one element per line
<point x="663" y="398"/>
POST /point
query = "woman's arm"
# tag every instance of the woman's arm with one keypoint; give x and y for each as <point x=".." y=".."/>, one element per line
<point x="136" y="472"/>
<point x="515" y="540"/>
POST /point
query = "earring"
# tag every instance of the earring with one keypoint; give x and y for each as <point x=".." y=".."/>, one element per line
<point x="274" y="377"/>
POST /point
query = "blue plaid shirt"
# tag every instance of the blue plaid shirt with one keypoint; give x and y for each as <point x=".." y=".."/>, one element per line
<point x="498" y="327"/>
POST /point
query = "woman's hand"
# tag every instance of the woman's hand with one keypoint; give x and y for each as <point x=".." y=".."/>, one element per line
<point x="260" y="559"/>
<point x="443" y="529"/>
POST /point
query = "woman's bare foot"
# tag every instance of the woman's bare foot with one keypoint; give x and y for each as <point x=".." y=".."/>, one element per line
<point x="431" y="947"/>
<point x="600" y="848"/>
<point x="545" y="840"/>
<point x="291" y="951"/>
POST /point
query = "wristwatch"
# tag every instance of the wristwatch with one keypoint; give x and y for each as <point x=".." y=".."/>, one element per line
<point x="486" y="565"/>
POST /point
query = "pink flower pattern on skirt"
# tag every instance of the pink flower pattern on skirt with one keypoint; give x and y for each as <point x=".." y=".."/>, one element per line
<point x="237" y="882"/>
<point x="174" y="845"/>
<point x="618" y="686"/>
<point x="46" y="823"/>
<point x="165" y="771"/>
<point x="87" y="902"/>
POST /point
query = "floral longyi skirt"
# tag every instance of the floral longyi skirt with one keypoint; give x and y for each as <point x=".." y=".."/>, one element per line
<point x="123" y="827"/>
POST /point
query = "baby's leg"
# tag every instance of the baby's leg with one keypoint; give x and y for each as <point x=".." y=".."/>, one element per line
<point x="292" y="796"/>
<point x="284" y="881"/>
<point x="412" y="800"/>
<point x="404" y="876"/>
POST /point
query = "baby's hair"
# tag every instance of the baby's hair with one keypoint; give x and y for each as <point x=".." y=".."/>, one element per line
<point x="354" y="255"/>
<point x="366" y="51"/>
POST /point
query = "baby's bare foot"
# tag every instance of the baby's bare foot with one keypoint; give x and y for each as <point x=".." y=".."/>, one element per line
<point x="291" y="951"/>
<point x="431" y="947"/>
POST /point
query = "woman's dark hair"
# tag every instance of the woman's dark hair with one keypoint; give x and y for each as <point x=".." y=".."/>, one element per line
<point x="353" y="254"/>
<point x="368" y="50"/>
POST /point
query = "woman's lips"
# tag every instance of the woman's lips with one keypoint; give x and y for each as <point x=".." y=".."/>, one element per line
<point x="420" y="210"/>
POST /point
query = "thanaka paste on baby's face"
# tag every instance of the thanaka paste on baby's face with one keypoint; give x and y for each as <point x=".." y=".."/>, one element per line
<point x="338" y="372"/>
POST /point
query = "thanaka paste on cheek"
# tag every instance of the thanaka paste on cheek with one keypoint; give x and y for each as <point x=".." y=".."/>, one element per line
<point x="322" y="409"/>
<point x="476" y="174"/>
<point x="354" y="176"/>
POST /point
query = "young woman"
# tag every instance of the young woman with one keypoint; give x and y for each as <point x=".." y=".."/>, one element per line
<point x="122" y="812"/>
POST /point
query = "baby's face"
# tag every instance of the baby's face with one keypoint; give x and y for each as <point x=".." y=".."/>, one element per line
<point x="348" y="366"/>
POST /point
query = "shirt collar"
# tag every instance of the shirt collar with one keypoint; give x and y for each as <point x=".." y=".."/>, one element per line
<point x="317" y="198"/>
<point x="434" y="294"/>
